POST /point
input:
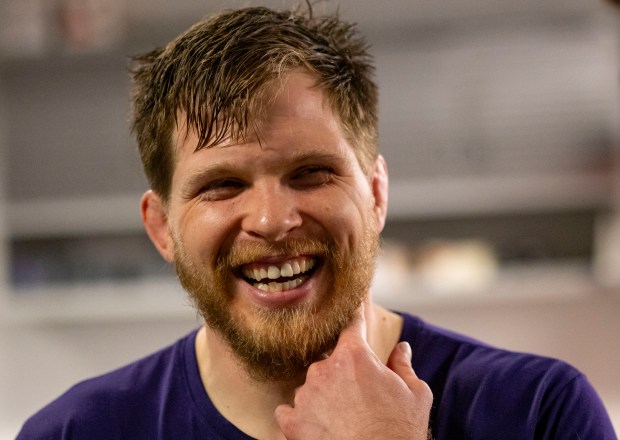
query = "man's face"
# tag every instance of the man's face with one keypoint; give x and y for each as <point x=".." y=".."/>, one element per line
<point x="275" y="238"/>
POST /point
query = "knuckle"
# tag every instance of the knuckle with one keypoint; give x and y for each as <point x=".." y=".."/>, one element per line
<point x="288" y="428"/>
<point x="287" y="423"/>
<point x="317" y="371"/>
<point x="424" y="392"/>
<point x="350" y="352"/>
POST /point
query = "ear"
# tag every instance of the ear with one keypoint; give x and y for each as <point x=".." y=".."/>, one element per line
<point x="155" y="220"/>
<point x="379" y="183"/>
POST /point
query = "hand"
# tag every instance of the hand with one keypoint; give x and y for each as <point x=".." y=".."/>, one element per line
<point x="352" y="395"/>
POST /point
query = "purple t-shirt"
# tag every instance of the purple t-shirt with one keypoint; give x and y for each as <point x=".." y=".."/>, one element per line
<point x="480" y="393"/>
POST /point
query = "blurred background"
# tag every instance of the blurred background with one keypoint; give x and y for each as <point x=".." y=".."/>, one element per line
<point x="499" y="122"/>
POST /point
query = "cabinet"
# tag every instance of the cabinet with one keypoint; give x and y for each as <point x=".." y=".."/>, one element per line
<point x="506" y="134"/>
<point x="73" y="244"/>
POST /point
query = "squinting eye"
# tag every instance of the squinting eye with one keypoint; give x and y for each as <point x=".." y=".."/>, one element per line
<point x="312" y="176"/>
<point x="222" y="189"/>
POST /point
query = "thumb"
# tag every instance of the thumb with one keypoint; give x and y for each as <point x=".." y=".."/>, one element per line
<point x="400" y="363"/>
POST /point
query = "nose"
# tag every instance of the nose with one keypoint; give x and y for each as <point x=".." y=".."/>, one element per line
<point x="271" y="212"/>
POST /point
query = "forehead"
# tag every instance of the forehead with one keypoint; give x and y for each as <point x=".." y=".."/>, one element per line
<point x="293" y="102"/>
<point x="298" y="127"/>
<point x="297" y="94"/>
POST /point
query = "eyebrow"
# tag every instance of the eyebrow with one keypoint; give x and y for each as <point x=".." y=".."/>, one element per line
<point x="313" y="156"/>
<point x="227" y="168"/>
<point x="206" y="173"/>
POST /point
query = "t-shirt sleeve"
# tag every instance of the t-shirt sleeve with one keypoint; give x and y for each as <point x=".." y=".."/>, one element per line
<point x="72" y="416"/>
<point x="574" y="412"/>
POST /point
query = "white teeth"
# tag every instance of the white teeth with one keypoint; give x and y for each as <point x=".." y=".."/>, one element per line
<point x="276" y="287"/>
<point x="286" y="270"/>
<point x="279" y="287"/>
<point x="273" y="272"/>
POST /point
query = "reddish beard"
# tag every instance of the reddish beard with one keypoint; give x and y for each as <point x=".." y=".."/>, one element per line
<point x="280" y="344"/>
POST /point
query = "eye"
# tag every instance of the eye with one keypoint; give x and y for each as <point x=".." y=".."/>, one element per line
<point x="222" y="189"/>
<point x="311" y="176"/>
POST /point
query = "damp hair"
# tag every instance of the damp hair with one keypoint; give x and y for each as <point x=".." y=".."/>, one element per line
<point x="215" y="78"/>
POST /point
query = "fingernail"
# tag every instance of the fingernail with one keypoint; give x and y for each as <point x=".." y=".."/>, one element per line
<point x="405" y="349"/>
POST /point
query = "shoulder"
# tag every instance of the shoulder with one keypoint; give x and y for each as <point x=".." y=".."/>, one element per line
<point x="440" y="350"/>
<point x="483" y="389"/>
<point x="101" y="407"/>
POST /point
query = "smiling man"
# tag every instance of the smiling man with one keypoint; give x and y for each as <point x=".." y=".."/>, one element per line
<point x="258" y="134"/>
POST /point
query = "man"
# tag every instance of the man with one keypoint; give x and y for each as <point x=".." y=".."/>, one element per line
<point x="258" y="132"/>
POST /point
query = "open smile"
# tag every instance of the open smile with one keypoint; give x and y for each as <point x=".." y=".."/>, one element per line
<point x="281" y="276"/>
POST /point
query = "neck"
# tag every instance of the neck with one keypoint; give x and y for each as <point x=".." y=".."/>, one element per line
<point x="249" y="404"/>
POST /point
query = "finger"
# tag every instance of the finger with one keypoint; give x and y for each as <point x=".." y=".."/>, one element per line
<point x="400" y="363"/>
<point x="400" y="359"/>
<point x="356" y="330"/>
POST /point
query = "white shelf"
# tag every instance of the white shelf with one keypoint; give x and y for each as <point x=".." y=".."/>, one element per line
<point x="524" y="283"/>
<point x="414" y="198"/>
<point x="164" y="298"/>
<point x="101" y="301"/>
<point x="74" y="216"/>
<point x="492" y="194"/>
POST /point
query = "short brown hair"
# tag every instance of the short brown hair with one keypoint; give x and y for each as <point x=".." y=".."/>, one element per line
<point x="217" y="72"/>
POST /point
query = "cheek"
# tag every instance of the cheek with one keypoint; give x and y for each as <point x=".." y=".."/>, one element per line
<point x="344" y="218"/>
<point x="203" y="232"/>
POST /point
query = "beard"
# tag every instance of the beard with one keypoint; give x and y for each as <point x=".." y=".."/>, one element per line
<point x="279" y="344"/>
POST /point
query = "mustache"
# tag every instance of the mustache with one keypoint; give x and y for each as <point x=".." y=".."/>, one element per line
<point x="247" y="252"/>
